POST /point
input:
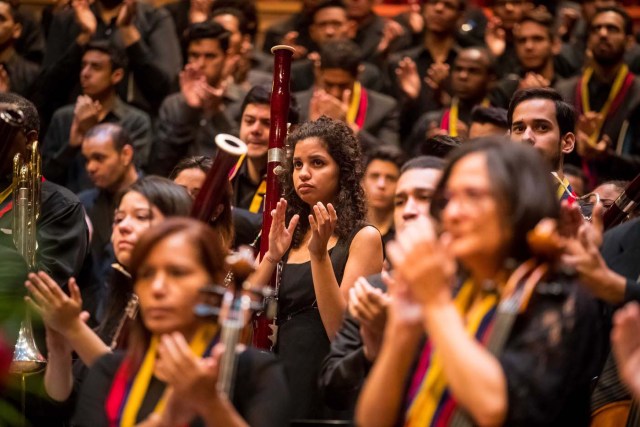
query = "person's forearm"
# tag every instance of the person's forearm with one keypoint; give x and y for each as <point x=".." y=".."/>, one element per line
<point x="381" y="397"/>
<point x="221" y="413"/>
<point x="331" y="303"/>
<point x="86" y="343"/>
<point x="58" y="377"/>
<point x="475" y="376"/>
<point x="266" y="268"/>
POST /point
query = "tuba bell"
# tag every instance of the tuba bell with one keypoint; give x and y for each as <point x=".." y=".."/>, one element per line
<point x="27" y="177"/>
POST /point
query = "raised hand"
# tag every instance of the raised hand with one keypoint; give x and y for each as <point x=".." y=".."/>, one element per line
<point x="199" y="10"/>
<point x="532" y="80"/>
<point x="368" y="305"/>
<point x="323" y="223"/>
<point x="280" y="234"/>
<point x="495" y="37"/>
<point x="291" y="39"/>
<point x="625" y="338"/>
<point x="324" y="104"/>
<point x="421" y="262"/>
<point x="437" y="73"/>
<point x="416" y="20"/>
<point x="5" y="81"/>
<point x="588" y="125"/>
<point x="126" y="14"/>
<point x="408" y="78"/>
<point x="59" y="311"/>
<point x="84" y="17"/>
<point x="391" y="31"/>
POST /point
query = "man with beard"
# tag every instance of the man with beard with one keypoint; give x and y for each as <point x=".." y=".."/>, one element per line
<point x="606" y="92"/>
<point x="539" y="116"/>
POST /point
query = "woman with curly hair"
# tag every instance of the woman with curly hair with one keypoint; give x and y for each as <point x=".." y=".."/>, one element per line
<point x="321" y="255"/>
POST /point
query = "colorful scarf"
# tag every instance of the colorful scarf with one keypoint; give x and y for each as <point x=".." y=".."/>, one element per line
<point x="449" y="120"/>
<point x="129" y="387"/>
<point x="429" y="401"/>
<point x="357" y="112"/>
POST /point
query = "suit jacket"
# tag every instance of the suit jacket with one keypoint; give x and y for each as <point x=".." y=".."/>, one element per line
<point x="381" y="122"/>
<point x="621" y="251"/>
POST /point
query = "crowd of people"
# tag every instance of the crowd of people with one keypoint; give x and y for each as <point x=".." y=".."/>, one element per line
<point x="439" y="244"/>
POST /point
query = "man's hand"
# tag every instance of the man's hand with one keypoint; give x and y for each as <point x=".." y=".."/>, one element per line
<point x="437" y="73"/>
<point x="86" y="114"/>
<point x="533" y="80"/>
<point x="588" y="125"/>
<point x="408" y="78"/>
<point x="291" y="39"/>
<point x="85" y="19"/>
<point x="5" y="81"/>
<point x="495" y="37"/>
<point x="323" y="104"/>
<point x="197" y="92"/>
<point x="199" y="10"/>
<point x="391" y="31"/>
<point x="368" y="305"/>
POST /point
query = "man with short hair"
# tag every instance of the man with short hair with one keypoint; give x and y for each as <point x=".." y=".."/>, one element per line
<point x="108" y="151"/>
<point x="539" y="116"/>
<point x="102" y="69"/>
<point x="536" y="47"/>
<point x="487" y="121"/>
<point x="190" y="119"/>
<point x="604" y="94"/>
<point x="356" y="346"/>
<point x="381" y="172"/>
<point x="471" y="80"/>
<point x="338" y="94"/>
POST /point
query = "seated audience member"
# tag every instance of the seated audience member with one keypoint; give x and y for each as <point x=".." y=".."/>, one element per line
<point x="166" y="346"/>
<point x="603" y="95"/>
<point x="475" y="365"/>
<point x="246" y="64"/>
<point x="102" y="70"/>
<point x="61" y="230"/>
<point x="145" y="203"/>
<point x="293" y="31"/>
<point x="437" y="146"/>
<point x="190" y="119"/>
<point x="609" y="191"/>
<point x="17" y="74"/>
<point x="358" y="341"/>
<point x="190" y="173"/>
<point x="108" y="152"/>
<point x="144" y="32"/>
<point x="539" y="117"/>
<point x="471" y="81"/>
<point x="338" y="94"/>
<point x="381" y="171"/>
<point x="487" y="121"/>
<point x="501" y="32"/>
<point x="330" y="23"/>
<point x="536" y="47"/>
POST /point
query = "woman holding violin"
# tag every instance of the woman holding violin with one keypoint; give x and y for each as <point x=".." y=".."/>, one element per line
<point x="322" y="255"/>
<point x="168" y="376"/>
<point x="510" y="338"/>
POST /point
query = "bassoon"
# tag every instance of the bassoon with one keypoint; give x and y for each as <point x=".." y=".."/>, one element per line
<point x="280" y="99"/>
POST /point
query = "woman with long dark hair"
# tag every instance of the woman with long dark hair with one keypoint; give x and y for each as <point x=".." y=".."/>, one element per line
<point x="321" y="255"/>
<point x="146" y="202"/>
<point x="484" y="264"/>
<point x="168" y="376"/>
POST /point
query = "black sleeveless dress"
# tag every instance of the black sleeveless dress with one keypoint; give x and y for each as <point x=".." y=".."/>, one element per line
<point x="302" y="340"/>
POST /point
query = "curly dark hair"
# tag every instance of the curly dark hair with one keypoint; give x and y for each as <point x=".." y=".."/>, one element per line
<point x="343" y="147"/>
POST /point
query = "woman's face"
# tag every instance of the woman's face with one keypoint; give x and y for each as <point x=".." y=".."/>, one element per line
<point x="473" y="217"/>
<point x="167" y="285"/>
<point x="316" y="175"/>
<point x="133" y="216"/>
<point x="191" y="179"/>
